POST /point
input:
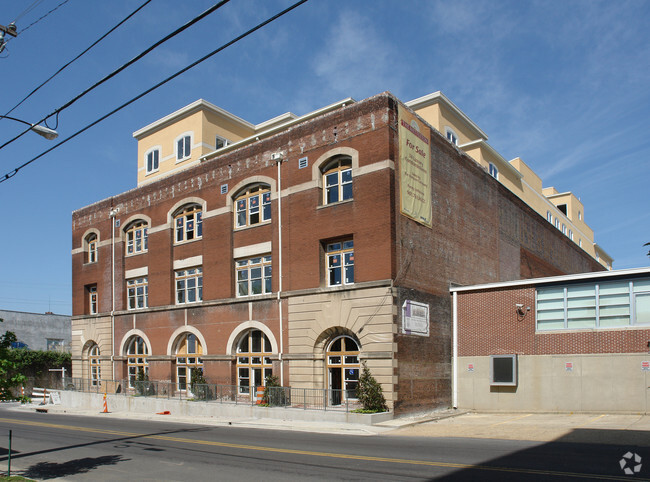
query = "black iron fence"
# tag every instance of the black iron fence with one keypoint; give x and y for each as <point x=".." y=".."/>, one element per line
<point x="288" y="397"/>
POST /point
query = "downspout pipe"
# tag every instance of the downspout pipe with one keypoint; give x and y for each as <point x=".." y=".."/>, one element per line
<point x="278" y="159"/>
<point x="454" y="351"/>
<point x="112" y="214"/>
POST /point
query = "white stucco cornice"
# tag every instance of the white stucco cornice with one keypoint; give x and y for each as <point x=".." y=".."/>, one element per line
<point x="440" y="98"/>
<point x="482" y="143"/>
<point x="195" y="106"/>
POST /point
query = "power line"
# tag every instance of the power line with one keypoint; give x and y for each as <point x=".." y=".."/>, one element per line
<point x="123" y="67"/>
<point x="12" y="173"/>
<point x="78" y="56"/>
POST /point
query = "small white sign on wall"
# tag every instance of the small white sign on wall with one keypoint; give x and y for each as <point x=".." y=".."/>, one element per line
<point x="55" y="398"/>
<point x="415" y="318"/>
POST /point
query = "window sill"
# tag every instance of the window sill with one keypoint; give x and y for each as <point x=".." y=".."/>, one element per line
<point x="178" y="161"/>
<point x="179" y="243"/>
<point x="92" y="262"/>
<point x="126" y="255"/>
<point x="244" y="228"/>
<point x="149" y="173"/>
<point x="334" y="204"/>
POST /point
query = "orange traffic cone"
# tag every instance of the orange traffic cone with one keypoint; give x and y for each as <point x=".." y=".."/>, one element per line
<point x="105" y="405"/>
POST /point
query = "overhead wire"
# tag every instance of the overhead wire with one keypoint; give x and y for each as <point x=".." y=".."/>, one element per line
<point x="78" y="56"/>
<point x="15" y="171"/>
<point x="123" y="67"/>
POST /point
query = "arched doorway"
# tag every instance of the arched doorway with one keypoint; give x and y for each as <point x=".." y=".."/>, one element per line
<point x="95" y="366"/>
<point x="188" y="359"/>
<point x="136" y="352"/>
<point x="253" y="360"/>
<point x="342" y="369"/>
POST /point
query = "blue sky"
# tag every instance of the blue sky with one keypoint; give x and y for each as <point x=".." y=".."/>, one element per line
<point x="563" y="85"/>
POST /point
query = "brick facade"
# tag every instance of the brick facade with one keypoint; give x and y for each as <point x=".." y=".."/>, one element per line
<point x="481" y="233"/>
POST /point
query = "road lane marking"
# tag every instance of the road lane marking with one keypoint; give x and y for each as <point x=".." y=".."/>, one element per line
<point x="366" y="458"/>
<point x="511" y="420"/>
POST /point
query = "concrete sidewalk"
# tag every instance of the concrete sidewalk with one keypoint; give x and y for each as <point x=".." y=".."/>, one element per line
<point x="617" y="429"/>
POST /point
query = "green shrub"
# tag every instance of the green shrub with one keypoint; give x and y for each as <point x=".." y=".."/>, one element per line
<point x="274" y="393"/>
<point x="370" y="393"/>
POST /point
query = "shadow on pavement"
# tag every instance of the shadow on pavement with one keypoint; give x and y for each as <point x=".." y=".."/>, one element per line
<point x="582" y="454"/>
<point x="52" y="470"/>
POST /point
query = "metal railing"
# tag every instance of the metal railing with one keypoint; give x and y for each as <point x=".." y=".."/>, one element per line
<point x="287" y="397"/>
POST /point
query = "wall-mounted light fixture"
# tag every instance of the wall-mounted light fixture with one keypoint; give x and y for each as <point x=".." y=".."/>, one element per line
<point x="521" y="311"/>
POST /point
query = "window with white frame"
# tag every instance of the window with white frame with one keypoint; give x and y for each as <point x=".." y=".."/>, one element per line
<point x="92" y="299"/>
<point x="494" y="172"/>
<point x="253" y="276"/>
<point x="95" y="366"/>
<point x="183" y="147"/>
<point x="188" y="223"/>
<point x="152" y="160"/>
<point x="451" y="136"/>
<point x="253" y="360"/>
<point x="342" y="358"/>
<point x="91" y="248"/>
<point x="340" y="263"/>
<point x="137" y="238"/>
<point x="221" y="142"/>
<point x="137" y="290"/>
<point x="609" y="304"/>
<point x="549" y="217"/>
<point x="189" y="285"/>
<point x="188" y="359"/>
<point x="337" y="180"/>
<point x="563" y="228"/>
<point x="253" y="206"/>
<point x="136" y="353"/>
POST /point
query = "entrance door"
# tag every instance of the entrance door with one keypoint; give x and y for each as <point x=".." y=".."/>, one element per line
<point x="343" y="369"/>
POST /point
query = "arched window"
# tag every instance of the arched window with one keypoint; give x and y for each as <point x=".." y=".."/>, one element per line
<point x="137" y="237"/>
<point x="451" y="135"/>
<point x="188" y="223"/>
<point x="95" y="367"/>
<point x="343" y="369"/>
<point x="253" y="360"/>
<point x="136" y="352"/>
<point x="253" y="206"/>
<point x="91" y="248"/>
<point x="188" y="359"/>
<point x="337" y="180"/>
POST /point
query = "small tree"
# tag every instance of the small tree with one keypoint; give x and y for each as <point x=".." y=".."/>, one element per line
<point x="199" y="385"/>
<point x="142" y="382"/>
<point x="370" y="393"/>
<point x="274" y="395"/>
<point x="10" y="375"/>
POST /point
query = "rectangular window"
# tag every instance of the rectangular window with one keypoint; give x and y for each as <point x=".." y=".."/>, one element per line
<point x="549" y="217"/>
<point x="137" y="293"/>
<point x="92" y="250"/>
<point x="254" y="276"/>
<point x="189" y="286"/>
<point x="221" y="142"/>
<point x="610" y="304"/>
<point x="183" y="147"/>
<point x="494" y="172"/>
<point x="153" y="160"/>
<point x="92" y="299"/>
<point x="614" y="304"/>
<point x="340" y="263"/>
<point x="503" y="370"/>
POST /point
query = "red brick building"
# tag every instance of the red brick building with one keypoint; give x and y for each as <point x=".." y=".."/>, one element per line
<point x="564" y="343"/>
<point x="300" y="247"/>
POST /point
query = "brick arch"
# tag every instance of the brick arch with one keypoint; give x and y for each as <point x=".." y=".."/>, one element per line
<point x="247" y="182"/>
<point x="243" y="328"/>
<point x="321" y="342"/>
<point x="173" y="339"/>
<point x="316" y="168"/>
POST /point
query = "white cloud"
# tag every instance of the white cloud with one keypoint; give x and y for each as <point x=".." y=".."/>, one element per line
<point x="356" y="59"/>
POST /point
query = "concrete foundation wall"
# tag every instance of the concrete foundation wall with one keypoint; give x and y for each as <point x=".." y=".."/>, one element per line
<point x="591" y="383"/>
<point x="207" y="410"/>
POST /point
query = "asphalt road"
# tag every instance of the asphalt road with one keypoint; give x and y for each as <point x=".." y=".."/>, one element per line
<point x="51" y="446"/>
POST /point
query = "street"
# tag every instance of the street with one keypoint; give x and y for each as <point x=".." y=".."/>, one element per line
<point x="47" y="446"/>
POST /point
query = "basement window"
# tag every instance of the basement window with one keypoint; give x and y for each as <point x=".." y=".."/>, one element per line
<point x="503" y="370"/>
